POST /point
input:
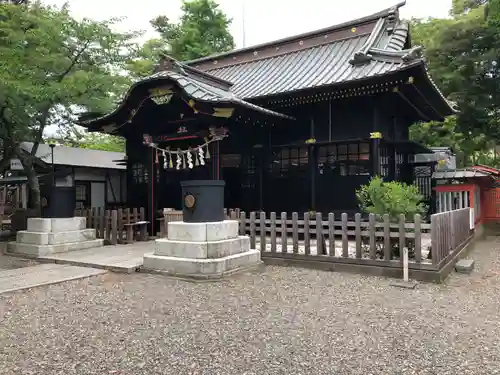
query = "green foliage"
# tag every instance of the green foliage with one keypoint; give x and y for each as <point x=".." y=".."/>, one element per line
<point x="393" y="198"/>
<point x="203" y="30"/>
<point x="52" y="65"/>
<point x="462" y="52"/>
<point x="79" y="137"/>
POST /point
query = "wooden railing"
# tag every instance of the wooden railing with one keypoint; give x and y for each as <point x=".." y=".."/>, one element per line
<point x="110" y="224"/>
<point x="335" y="236"/>
<point x="449" y="231"/>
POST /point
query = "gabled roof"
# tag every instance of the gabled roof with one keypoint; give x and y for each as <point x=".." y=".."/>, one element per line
<point x="364" y="48"/>
<point x="373" y="46"/>
<point x="76" y="157"/>
<point x="194" y="84"/>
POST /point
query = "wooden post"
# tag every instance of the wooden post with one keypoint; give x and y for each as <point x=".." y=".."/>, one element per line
<point x="319" y="235"/>
<point x="114" y="229"/>
<point x="357" y="219"/>
<point x="252" y="230"/>
<point x="345" y="238"/>
<point x="243" y="223"/>
<point x="307" y="238"/>
<point x="331" y="234"/>
<point x="295" y="232"/>
<point x="284" y="233"/>
<point x="371" y="231"/>
<point x="418" y="238"/>
<point x="387" y="238"/>
<point x="262" y="231"/>
<point x="273" y="232"/>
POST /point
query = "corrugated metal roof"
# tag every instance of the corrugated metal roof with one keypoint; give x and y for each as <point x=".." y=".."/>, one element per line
<point x="459" y="173"/>
<point x="77" y="157"/>
<point x="324" y="65"/>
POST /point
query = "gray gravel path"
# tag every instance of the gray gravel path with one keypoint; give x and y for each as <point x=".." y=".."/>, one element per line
<point x="270" y="321"/>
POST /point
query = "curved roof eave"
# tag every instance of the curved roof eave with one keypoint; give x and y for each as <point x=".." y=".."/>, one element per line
<point x="196" y="90"/>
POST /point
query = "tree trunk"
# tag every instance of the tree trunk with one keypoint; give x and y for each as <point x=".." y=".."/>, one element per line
<point x="34" y="189"/>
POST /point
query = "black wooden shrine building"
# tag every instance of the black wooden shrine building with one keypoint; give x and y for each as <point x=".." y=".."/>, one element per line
<point x="308" y="118"/>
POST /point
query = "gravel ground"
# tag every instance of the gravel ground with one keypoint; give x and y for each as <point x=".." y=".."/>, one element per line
<point x="274" y="320"/>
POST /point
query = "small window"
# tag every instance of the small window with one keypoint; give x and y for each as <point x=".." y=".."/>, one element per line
<point x="139" y="173"/>
<point x="81" y="192"/>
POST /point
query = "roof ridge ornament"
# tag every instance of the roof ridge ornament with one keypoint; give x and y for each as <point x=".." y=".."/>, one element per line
<point x="363" y="55"/>
<point x="170" y="64"/>
<point x="392" y="18"/>
<point x="412" y="54"/>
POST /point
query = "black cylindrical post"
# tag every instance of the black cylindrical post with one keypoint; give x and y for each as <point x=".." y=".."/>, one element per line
<point x="203" y="201"/>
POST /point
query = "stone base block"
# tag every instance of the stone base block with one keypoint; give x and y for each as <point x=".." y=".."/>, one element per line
<point x="202" y="232"/>
<point x="49" y="238"/>
<point x="201" y="268"/>
<point x="44" y="250"/>
<point x="464" y="266"/>
<point x="55" y="225"/>
<point x="202" y="250"/>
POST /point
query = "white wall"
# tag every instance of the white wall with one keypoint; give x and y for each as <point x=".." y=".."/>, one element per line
<point x="97" y="194"/>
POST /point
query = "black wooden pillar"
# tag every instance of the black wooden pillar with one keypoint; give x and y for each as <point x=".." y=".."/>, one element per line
<point x="152" y="194"/>
<point x="375" y="137"/>
<point x="313" y="164"/>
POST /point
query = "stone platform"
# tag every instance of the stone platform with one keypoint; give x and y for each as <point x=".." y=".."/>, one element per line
<point x="202" y="250"/>
<point x="50" y="236"/>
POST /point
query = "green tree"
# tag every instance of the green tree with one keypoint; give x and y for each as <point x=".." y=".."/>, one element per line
<point x="203" y="30"/>
<point x="78" y="137"/>
<point x="462" y="52"/>
<point x="52" y="65"/>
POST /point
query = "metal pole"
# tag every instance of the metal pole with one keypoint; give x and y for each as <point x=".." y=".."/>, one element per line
<point x="53" y="167"/>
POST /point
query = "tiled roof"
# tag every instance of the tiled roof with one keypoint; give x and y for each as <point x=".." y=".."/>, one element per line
<point x="375" y="48"/>
<point x="196" y="85"/>
<point x="318" y="66"/>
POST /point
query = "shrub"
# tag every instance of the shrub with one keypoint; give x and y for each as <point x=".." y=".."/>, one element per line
<point x="393" y="198"/>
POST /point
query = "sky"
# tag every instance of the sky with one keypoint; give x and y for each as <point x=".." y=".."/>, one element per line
<point x="265" y="20"/>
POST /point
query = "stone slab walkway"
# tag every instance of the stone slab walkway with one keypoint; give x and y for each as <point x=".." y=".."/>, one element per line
<point x="119" y="258"/>
<point x="42" y="274"/>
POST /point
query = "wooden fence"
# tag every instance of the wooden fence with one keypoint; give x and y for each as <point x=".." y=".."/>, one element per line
<point x="335" y="237"/>
<point x="111" y="225"/>
<point x="449" y="231"/>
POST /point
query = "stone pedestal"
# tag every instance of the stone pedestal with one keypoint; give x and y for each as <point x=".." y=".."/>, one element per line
<point x="202" y="250"/>
<point x="50" y="236"/>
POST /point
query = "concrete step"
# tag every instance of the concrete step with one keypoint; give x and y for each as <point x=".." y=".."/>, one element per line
<point x="43" y="250"/>
<point x="47" y="238"/>
<point x="201" y="268"/>
<point x="43" y="274"/>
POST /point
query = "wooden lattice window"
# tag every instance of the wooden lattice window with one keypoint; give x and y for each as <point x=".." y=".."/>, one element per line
<point x="139" y="173"/>
<point x="349" y="159"/>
